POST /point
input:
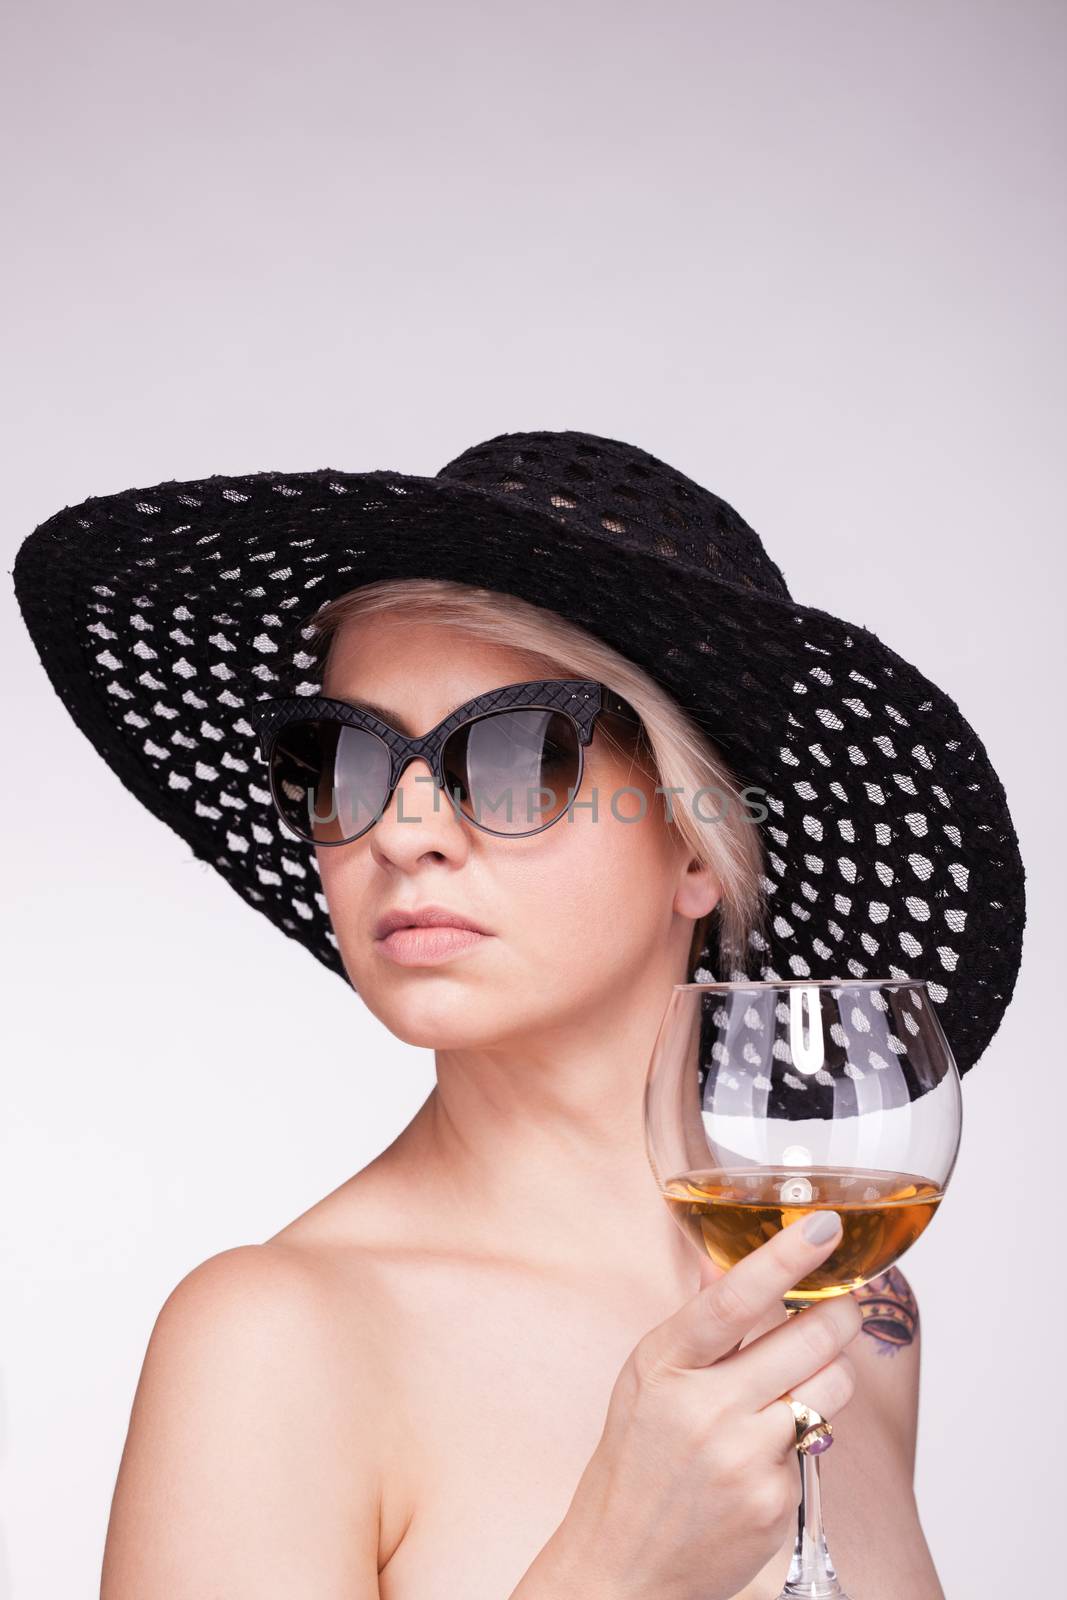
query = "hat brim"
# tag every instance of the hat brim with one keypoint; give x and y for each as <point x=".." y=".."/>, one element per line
<point x="161" y="615"/>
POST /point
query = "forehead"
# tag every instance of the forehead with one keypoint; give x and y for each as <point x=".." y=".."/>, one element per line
<point x="412" y="673"/>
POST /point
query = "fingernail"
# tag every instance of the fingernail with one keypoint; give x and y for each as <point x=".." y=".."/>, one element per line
<point x="820" y="1226"/>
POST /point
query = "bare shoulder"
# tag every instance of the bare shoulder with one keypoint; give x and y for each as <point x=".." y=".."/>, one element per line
<point x="886" y="1353"/>
<point x="250" y="1466"/>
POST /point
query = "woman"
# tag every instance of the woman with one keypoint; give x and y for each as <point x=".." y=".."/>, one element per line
<point x="492" y="1268"/>
<point x="489" y="1364"/>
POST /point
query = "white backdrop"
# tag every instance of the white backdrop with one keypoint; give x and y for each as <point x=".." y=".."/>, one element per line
<point x="809" y="253"/>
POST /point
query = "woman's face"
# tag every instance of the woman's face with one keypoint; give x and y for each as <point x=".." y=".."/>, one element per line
<point x="574" y="915"/>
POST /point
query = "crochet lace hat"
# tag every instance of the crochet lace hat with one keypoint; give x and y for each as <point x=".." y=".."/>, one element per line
<point x="163" y="615"/>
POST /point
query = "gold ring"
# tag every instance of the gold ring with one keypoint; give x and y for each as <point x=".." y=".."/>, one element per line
<point x="814" y="1433"/>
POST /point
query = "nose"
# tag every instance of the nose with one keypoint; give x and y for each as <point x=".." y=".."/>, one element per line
<point x="418" y="818"/>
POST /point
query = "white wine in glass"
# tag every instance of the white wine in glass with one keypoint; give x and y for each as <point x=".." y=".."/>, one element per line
<point x="768" y="1100"/>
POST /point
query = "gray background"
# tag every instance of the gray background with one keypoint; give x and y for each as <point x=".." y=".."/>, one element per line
<point x="810" y="253"/>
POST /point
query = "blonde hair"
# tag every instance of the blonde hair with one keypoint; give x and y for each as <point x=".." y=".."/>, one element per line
<point x="683" y="757"/>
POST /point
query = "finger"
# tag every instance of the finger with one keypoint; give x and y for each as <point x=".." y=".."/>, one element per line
<point x="828" y="1392"/>
<point x="710" y="1271"/>
<point x="711" y="1324"/>
<point x="793" y="1352"/>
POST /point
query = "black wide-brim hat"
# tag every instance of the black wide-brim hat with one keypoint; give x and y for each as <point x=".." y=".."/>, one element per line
<point x="163" y="615"/>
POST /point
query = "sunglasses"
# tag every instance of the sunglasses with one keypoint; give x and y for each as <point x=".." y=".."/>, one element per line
<point x="514" y="755"/>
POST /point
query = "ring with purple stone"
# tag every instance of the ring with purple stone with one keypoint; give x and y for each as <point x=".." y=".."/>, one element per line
<point x="814" y="1433"/>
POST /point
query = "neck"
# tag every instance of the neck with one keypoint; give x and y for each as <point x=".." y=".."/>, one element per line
<point x="534" y="1149"/>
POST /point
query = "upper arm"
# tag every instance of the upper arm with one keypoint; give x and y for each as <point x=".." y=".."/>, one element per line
<point x="248" y="1471"/>
<point x="886" y="1352"/>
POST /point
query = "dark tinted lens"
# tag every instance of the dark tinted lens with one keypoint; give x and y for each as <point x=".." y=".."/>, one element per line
<point x="513" y="771"/>
<point x="329" y="781"/>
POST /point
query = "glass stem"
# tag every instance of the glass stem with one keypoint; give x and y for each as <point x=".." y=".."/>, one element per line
<point x="811" y="1573"/>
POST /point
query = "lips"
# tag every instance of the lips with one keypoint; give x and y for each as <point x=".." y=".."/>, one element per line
<point x="424" y="917"/>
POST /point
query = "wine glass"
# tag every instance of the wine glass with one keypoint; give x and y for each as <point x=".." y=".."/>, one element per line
<point x="768" y="1100"/>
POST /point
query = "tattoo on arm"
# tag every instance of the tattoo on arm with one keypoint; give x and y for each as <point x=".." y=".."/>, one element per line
<point x="889" y="1309"/>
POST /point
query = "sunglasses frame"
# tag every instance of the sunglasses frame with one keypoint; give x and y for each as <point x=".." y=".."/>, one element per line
<point x="582" y="700"/>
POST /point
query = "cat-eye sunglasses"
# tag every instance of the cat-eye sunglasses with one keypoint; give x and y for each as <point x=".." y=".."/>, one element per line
<point x="513" y="756"/>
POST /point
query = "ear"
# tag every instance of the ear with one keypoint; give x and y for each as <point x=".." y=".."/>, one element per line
<point x="699" y="890"/>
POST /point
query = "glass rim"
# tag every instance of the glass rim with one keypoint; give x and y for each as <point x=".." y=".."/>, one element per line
<point x="757" y="985"/>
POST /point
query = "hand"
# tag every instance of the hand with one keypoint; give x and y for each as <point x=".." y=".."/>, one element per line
<point x="694" y="1485"/>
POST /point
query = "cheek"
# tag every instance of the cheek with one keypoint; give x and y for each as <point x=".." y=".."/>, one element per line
<point x="598" y="891"/>
<point x="632" y="882"/>
<point x="331" y="878"/>
<point x="344" y="884"/>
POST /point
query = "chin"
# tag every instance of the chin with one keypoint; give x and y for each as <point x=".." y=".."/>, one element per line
<point x="434" y="1030"/>
<point x="438" y="1016"/>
